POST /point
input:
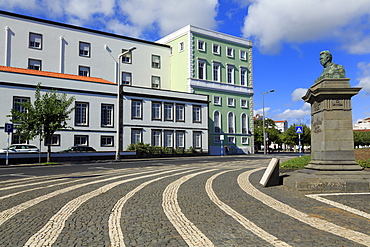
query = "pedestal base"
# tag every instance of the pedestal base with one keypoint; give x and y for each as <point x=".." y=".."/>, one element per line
<point x="328" y="181"/>
<point x="334" y="165"/>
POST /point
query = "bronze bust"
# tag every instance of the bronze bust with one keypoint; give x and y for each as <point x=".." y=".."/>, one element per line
<point x="331" y="70"/>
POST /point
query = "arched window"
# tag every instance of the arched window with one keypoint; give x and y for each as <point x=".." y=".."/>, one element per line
<point x="245" y="126"/>
<point x="217" y="122"/>
<point x="231" y="122"/>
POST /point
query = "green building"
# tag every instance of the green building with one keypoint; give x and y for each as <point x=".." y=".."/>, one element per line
<point x="219" y="65"/>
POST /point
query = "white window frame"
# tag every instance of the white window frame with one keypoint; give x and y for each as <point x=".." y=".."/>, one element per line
<point x="202" y="69"/>
<point x="216" y="69"/>
<point x="127" y="57"/>
<point x="230" y="74"/>
<point x="244" y="103"/>
<point x="168" y="138"/>
<point x="197" y="139"/>
<point x="180" y="139"/>
<point x="245" y="140"/>
<point x="54" y="141"/>
<point x="243" y="55"/>
<point x="168" y="112"/>
<point x="81" y="114"/>
<point x="231" y="139"/>
<point x="156" y="138"/>
<point x="230" y="101"/>
<point x="156" y="110"/>
<point x="126" y="78"/>
<point x="231" y="123"/>
<point x="136" y="109"/>
<point x="197" y="114"/>
<point x="34" y="64"/>
<point x="156" y="61"/>
<point x="107" y="113"/>
<point x="156" y="82"/>
<point x="106" y="141"/>
<point x="35" y="41"/>
<point x="83" y="71"/>
<point x="229" y="51"/>
<point x="217" y="122"/>
<point x="243" y="76"/>
<point x="244" y="123"/>
<point x="84" y="49"/>
<point x="217" y="100"/>
<point x="201" y="45"/>
<point x="136" y="136"/>
<point x="81" y="140"/>
<point x="216" y="49"/>
<point x="180" y="112"/>
<point x="17" y="100"/>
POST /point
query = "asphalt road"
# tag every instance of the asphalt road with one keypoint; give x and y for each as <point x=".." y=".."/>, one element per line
<point x="214" y="201"/>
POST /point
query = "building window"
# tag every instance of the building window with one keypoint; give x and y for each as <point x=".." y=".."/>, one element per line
<point x="229" y="52"/>
<point x="216" y="49"/>
<point x="180" y="113"/>
<point x="180" y="139"/>
<point x="136" y="110"/>
<point x="136" y="136"/>
<point x="243" y="76"/>
<point x="84" y="49"/>
<point x="197" y="139"/>
<point x="156" y="138"/>
<point x="156" y="61"/>
<point x="201" y="70"/>
<point x="230" y="101"/>
<point x="35" y="41"/>
<point x="245" y="140"/>
<point x="216" y="100"/>
<point x="156" y="110"/>
<point x="201" y="45"/>
<point x="126" y="78"/>
<point x="107" y="115"/>
<point x="34" y="64"/>
<point x="217" y="139"/>
<point x="197" y="114"/>
<point x="168" y="112"/>
<point x="230" y="74"/>
<point x="106" y="141"/>
<point x="168" y="138"/>
<point x="181" y="46"/>
<point x="243" y="55"/>
<point x="216" y="72"/>
<point x="243" y="103"/>
<point x="17" y="139"/>
<point x="231" y="122"/>
<point x="83" y="71"/>
<point x="127" y="56"/>
<point x="81" y="140"/>
<point x="54" y="140"/>
<point x="81" y="113"/>
<point x="156" y="82"/>
<point x="244" y="120"/>
<point x="16" y="103"/>
<point x="217" y="122"/>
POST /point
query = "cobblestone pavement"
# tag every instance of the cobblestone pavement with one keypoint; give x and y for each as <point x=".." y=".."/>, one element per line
<point x="208" y="204"/>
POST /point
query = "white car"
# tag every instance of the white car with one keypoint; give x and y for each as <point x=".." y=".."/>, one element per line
<point x="21" y="148"/>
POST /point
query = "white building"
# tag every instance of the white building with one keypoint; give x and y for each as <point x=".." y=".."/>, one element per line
<point x="282" y="125"/>
<point x="362" y="124"/>
<point x="84" y="63"/>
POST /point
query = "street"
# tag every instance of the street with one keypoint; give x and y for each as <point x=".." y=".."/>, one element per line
<point x="206" y="201"/>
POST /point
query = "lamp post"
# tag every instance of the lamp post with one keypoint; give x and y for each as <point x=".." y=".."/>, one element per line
<point x="263" y="120"/>
<point x="118" y="108"/>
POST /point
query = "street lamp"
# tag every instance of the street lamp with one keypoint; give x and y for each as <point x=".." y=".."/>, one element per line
<point x="118" y="108"/>
<point x="263" y="119"/>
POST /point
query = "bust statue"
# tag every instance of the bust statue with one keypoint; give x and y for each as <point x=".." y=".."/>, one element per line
<point x="331" y="70"/>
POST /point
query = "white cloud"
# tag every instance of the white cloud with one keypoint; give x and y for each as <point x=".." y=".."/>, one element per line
<point x="260" y="111"/>
<point x="298" y="94"/>
<point x="299" y="114"/>
<point x="128" y="17"/>
<point x="364" y="80"/>
<point x="272" y="23"/>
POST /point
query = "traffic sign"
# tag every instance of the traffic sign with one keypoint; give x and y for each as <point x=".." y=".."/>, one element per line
<point x="8" y="127"/>
<point x="299" y="129"/>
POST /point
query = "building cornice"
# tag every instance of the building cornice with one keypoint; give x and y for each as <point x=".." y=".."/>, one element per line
<point x="221" y="87"/>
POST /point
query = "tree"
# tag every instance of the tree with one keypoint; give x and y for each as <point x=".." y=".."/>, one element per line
<point x="49" y="113"/>
<point x="273" y="133"/>
<point x="361" y="138"/>
<point x="291" y="137"/>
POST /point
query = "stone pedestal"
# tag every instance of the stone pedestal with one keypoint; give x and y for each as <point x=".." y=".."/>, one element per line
<point x="331" y="125"/>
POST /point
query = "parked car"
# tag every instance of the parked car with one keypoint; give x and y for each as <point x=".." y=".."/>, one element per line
<point x="21" y="148"/>
<point x="80" y="149"/>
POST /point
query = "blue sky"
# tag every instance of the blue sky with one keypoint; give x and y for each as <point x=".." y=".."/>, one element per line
<point x="287" y="36"/>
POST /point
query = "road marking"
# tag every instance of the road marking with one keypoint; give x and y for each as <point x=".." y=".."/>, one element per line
<point x="9" y="213"/>
<point x="339" y="205"/>
<point x="188" y="231"/>
<point x="358" y="237"/>
<point x="249" y="225"/>
<point x="114" y="223"/>
<point x="101" y="168"/>
<point x="49" y="233"/>
<point x="30" y="184"/>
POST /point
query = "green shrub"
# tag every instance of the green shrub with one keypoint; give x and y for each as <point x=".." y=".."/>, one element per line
<point x="299" y="162"/>
<point x="364" y="163"/>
